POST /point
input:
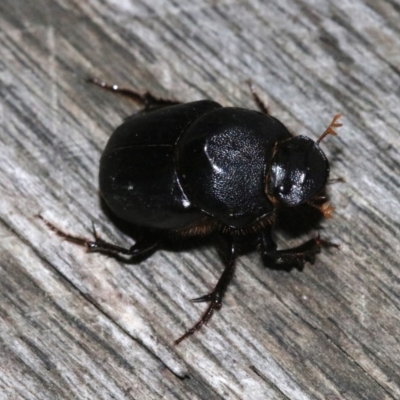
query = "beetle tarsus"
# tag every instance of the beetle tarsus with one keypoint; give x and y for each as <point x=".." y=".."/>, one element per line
<point x="146" y="99"/>
<point x="70" y="238"/>
<point x="204" y="319"/>
<point x="215" y="297"/>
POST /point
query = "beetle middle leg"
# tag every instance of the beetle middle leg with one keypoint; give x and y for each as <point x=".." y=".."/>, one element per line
<point x="144" y="243"/>
<point x="214" y="297"/>
<point x="149" y="101"/>
<point x="294" y="257"/>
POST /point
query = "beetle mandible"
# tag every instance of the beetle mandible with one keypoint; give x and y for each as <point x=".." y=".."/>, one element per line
<point x="179" y="169"/>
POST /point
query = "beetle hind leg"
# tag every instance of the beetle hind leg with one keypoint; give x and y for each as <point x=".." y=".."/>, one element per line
<point x="146" y="99"/>
<point x="143" y="245"/>
<point x="215" y="297"/>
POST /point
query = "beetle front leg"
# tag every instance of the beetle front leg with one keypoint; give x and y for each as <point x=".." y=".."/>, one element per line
<point x="215" y="297"/>
<point x="144" y="244"/>
<point x="295" y="257"/>
<point x="146" y="99"/>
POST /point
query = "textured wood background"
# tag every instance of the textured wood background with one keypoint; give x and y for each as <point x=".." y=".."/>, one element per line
<point x="81" y="326"/>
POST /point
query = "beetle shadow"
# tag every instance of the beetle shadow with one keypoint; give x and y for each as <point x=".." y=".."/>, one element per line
<point x="336" y="154"/>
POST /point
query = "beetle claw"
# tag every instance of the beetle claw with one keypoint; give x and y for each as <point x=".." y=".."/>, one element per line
<point x="214" y="305"/>
<point x="325" y="243"/>
<point x="70" y="238"/>
<point x="206" y="297"/>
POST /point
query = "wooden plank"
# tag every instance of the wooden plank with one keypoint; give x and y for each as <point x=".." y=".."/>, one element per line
<point x="75" y="325"/>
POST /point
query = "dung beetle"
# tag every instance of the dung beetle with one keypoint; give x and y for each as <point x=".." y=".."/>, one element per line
<point x="189" y="169"/>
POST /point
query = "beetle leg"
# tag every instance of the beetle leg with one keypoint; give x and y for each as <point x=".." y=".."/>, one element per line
<point x="260" y="103"/>
<point x="215" y="297"/>
<point x="142" y="245"/>
<point x="295" y="257"/>
<point x="146" y="99"/>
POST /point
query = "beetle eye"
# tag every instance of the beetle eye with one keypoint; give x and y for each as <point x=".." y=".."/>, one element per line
<point x="299" y="170"/>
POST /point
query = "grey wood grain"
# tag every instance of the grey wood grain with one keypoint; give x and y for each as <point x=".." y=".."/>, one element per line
<point x="76" y="325"/>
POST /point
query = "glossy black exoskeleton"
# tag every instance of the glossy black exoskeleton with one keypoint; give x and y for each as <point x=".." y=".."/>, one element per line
<point x="197" y="168"/>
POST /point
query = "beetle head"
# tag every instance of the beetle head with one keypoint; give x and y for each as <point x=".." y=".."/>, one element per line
<point x="299" y="171"/>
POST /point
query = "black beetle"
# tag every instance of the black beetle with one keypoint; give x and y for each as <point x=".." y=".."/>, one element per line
<point x="197" y="168"/>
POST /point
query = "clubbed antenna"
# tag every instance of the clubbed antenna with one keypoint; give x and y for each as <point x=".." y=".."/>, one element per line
<point x="330" y="130"/>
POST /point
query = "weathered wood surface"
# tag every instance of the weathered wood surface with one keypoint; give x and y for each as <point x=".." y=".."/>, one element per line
<point x="81" y="326"/>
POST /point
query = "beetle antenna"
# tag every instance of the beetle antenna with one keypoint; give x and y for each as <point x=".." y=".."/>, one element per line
<point x="326" y="209"/>
<point x="330" y="129"/>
